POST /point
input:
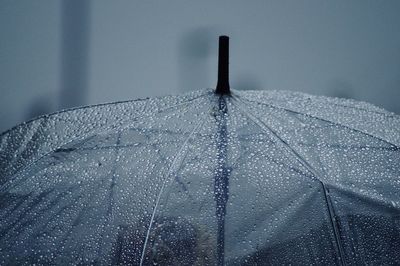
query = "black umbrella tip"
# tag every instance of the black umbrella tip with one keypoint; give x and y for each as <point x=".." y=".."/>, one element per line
<point x="223" y="66"/>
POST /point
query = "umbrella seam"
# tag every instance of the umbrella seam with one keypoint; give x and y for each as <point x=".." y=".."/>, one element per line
<point x="326" y="120"/>
<point x="175" y="164"/>
<point x="302" y="161"/>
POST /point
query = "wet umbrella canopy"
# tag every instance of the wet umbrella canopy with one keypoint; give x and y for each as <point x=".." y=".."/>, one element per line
<point x="246" y="178"/>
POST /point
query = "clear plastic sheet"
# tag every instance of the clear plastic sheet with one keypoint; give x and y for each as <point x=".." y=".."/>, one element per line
<point x="258" y="178"/>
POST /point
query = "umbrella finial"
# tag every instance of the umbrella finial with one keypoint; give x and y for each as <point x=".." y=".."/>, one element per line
<point x="223" y="66"/>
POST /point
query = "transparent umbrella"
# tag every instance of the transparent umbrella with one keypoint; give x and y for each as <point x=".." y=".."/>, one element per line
<point x="241" y="178"/>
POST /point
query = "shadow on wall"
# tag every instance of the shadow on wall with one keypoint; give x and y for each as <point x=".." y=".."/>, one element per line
<point x="342" y="89"/>
<point x="246" y="81"/>
<point x="40" y="106"/>
<point x="74" y="53"/>
<point x="74" y="68"/>
<point x="391" y="103"/>
<point x="196" y="49"/>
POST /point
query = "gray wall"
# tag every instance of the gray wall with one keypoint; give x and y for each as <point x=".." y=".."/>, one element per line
<point x="30" y="35"/>
<point x="136" y="49"/>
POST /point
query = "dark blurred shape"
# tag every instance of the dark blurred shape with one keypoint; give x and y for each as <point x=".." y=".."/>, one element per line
<point x="341" y="89"/>
<point x="75" y="51"/>
<point x="389" y="101"/>
<point x="194" y="49"/>
<point x="246" y="82"/>
<point x="40" y="106"/>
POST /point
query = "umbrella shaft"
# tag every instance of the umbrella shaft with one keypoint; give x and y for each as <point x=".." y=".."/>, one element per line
<point x="221" y="178"/>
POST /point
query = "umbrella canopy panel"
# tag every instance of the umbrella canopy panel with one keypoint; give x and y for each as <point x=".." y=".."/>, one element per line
<point x="288" y="177"/>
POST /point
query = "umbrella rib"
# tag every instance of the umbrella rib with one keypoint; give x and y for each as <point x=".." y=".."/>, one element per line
<point x="325" y="120"/>
<point x="88" y="134"/>
<point x="145" y="100"/>
<point x="268" y="130"/>
<point x="178" y="159"/>
<point x="360" y="108"/>
<point x="366" y="198"/>
<point x="302" y="161"/>
<point x="317" y="98"/>
<point x="343" y="147"/>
